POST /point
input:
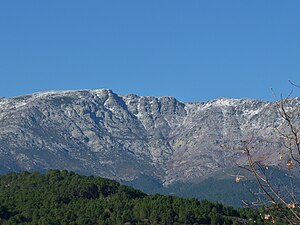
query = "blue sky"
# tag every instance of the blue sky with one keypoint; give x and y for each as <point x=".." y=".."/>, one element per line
<point x="194" y="50"/>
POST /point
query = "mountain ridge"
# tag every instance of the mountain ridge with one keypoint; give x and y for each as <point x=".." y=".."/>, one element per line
<point x="125" y="136"/>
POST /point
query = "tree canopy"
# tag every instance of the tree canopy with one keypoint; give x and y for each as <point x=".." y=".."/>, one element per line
<point x="63" y="197"/>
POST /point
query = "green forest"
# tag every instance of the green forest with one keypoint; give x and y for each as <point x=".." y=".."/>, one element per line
<point x="63" y="197"/>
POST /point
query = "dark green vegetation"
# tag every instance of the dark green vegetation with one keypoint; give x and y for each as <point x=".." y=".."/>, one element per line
<point x="62" y="197"/>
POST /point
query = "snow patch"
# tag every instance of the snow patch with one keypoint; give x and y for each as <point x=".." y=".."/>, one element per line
<point x="225" y="102"/>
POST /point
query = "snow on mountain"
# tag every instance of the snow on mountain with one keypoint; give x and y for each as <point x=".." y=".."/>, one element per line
<point x="123" y="137"/>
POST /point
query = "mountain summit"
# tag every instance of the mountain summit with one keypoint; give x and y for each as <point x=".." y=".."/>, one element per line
<point x="126" y="136"/>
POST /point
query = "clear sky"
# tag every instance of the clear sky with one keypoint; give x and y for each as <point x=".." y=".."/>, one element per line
<point x="195" y="50"/>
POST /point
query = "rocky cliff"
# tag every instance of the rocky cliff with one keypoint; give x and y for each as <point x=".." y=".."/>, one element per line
<point x="122" y="137"/>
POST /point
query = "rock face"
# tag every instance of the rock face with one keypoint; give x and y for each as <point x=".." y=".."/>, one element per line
<point x="122" y="137"/>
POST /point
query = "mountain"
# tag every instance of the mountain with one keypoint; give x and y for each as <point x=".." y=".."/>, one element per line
<point x="124" y="137"/>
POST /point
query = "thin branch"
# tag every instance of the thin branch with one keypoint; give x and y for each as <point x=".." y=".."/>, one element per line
<point x="292" y="83"/>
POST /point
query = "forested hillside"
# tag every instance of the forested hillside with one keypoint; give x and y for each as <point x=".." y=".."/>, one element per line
<point x="62" y="197"/>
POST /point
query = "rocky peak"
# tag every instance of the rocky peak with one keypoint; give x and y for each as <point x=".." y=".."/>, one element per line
<point x="122" y="137"/>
